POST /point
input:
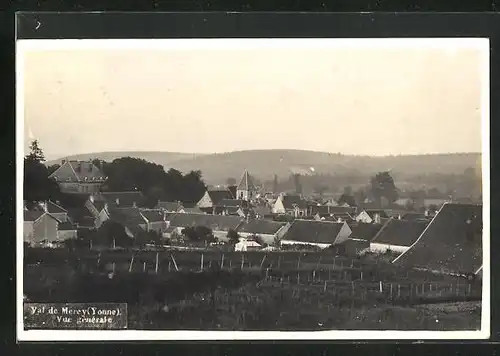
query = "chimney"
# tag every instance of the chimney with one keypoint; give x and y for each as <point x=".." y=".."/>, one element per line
<point x="91" y="198"/>
<point x="43" y="205"/>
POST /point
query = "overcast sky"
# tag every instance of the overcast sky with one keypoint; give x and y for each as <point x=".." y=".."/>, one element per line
<point x="353" y="101"/>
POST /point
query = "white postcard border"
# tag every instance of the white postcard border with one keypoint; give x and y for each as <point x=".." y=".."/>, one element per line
<point x="182" y="44"/>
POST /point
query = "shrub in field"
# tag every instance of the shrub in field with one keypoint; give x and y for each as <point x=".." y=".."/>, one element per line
<point x="199" y="234"/>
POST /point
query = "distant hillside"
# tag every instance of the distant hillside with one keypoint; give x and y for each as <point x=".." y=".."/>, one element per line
<point x="163" y="158"/>
<point x="263" y="164"/>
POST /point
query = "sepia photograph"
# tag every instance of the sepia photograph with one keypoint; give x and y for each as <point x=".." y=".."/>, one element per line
<point x="198" y="189"/>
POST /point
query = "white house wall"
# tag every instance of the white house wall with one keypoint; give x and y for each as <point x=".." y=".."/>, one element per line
<point x="290" y="242"/>
<point x="278" y="207"/>
<point x="364" y="217"/>
<point x="28" y="231"/>
<point x="343" y="234"/>
<point x="382" y="248"/>
<point x="63" y="235"/>
<point x="205" y="201"/>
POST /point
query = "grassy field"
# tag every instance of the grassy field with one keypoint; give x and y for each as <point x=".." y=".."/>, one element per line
<point x="254" y="290"/>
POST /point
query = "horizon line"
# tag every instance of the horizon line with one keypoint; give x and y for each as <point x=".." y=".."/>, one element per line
<point x="61" y="157"/>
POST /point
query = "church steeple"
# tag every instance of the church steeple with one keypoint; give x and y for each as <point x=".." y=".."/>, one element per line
<point x="245" y="189"/>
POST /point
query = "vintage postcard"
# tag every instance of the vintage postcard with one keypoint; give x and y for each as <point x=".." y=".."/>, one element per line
<point x="267" y="189"/>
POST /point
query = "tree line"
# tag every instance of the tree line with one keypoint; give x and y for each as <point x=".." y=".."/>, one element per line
<point x="123" y="174"/>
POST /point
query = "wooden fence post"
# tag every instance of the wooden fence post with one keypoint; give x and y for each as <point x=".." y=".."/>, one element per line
<point x="324" y="288"/>
<point x="262" y="262"/>
<point x="298" y="262"/>
<point x="380" y="285"/>
<point x="114" y="267"/>
<point x="242" y="260"/>
<point x="279" y="261"/>
<point x="144" y="266"/>
<point x="399" y="290"/>
<point x="175" y="263"/>
<point x="222" y="262"/>
<point x="169" y="265"/>
<point x="157" y="262"/>
<point x="131" y="263"/>
<point x="361" y="275"/>
<point x="201" y="262"/>
<point x="391" y="292"/>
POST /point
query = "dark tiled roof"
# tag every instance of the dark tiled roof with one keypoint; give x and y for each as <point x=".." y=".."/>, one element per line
<point x="66" y="226"/>
<point x="87" y="221"/>
<point x="289" y="201"/>
<point x="262" y="210"/>
<point x="195" y="210"/>
<point x="168" y="205"/>
<point x="261" y="227"/>
<point x="217" y="195"/>
<point x="450" y="243"/>
<point x="152" y="215"/>
<point x="126" y="216"/>
<point x="78" y="171"/>
<point x="411" y="216"/>
<point x="233" y="203"/>
<point x="80" y="215"/>
<point x="32" y="215"/>
<point x="125" y="199"/>
<point x="365" y="231"/>
<point x="214" y="222"/>
<point x="54" y="208"/>
<point x="380" y="212"/>
<point x="313" y="231"/>
<point x="399" y="232"/>
<point x="246" y="182"/>
<point x="326" y="209"/>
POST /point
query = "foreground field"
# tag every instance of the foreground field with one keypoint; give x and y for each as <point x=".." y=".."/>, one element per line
<point x="254" y="290"/>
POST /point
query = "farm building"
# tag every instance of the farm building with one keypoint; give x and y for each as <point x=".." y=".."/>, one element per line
<point x="169" y="206"/>
<point x="289" y="204"/>
<point x="212" y="197"/>
<point x="155" y="219"/>
<point x="130" y="218"/>
<point x="353" y="246"/>
<point x="96" y="203"/>
<point x="78" y="177"/>
<point x="364" y="231"/>
<point x="219" y="224"/>
<point x="81" y="217"/>
<point x="66" y="230"/>
<point x="246" y="189"/>
<point x="324" y="210"/>
<point x="397" y="236"/>
<point x="269" y="231"/>
<point x="262" y="211"/>
<point x="191" y="210"/>
<point x="414" y="216"/>
<point x="338" y="217"/>
<point x="245" y="245"/>
<point x="55" y="210"/>
<point x="39" y="226"/>
<point x="318" y="233"/>
<point x="371" y="215"/>
<point x="451" y="243"/>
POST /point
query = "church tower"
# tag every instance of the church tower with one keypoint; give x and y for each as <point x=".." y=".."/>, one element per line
<point x="246" y="189"/>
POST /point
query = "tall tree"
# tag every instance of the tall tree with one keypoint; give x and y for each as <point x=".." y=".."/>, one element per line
<point x="37" y="185"/>
<point x="275" y="184"/>
<point x="383" y="188"/>
<point x="36" y="153"/>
